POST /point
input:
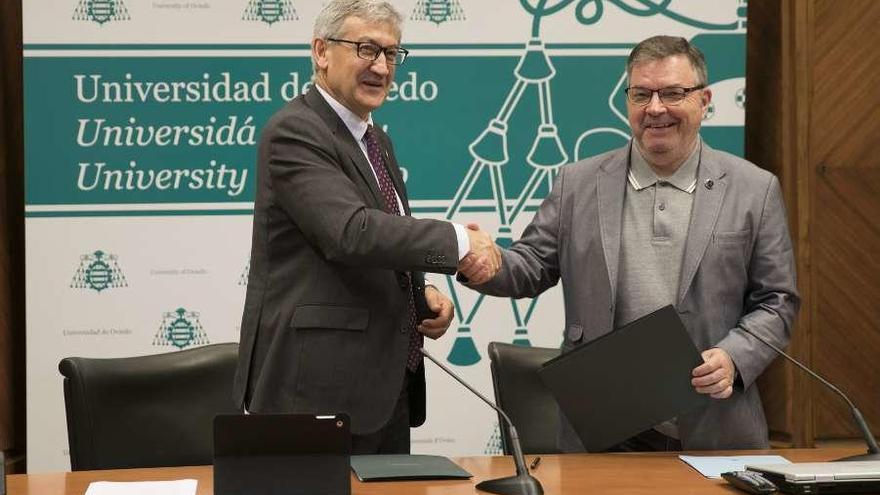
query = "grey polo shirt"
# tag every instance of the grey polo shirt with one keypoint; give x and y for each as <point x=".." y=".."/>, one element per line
<point x="656" y="217"/>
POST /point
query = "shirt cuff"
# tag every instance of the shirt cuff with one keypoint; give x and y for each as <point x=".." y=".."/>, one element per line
<point x="464" y="242"/>
<point x="434" y="279"/>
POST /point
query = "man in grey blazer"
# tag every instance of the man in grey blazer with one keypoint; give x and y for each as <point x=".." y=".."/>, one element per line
<point x="330" y="323"/>
<point x="668" y="220"/>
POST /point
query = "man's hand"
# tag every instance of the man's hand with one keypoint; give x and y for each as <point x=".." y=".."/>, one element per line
<point x="438" y="302"/>
<point x="715" y="376"/>
<point x="484" y="258"/>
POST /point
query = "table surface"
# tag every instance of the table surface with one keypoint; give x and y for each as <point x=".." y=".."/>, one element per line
<point x="631" y="473"/>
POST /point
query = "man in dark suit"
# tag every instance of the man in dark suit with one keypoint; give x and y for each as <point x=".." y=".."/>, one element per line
<point x="337" y="263"/>
<point x="666" y="219"/>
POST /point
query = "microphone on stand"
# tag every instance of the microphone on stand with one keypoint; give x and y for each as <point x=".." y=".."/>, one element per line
<point x="873" y="453"/>
<point x="521" y="484"/>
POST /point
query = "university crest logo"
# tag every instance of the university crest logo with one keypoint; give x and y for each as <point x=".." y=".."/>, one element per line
<point x="98" y="271"/>
<point x="180" y="328"/>
<point x="101" y="11"/>
<point x="438" y="11"/>
<point x="269" y="11"/>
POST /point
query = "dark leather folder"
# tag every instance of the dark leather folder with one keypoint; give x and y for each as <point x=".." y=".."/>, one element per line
<point x="399" y="467"/>
<point x="282" y="454"/>
<point x="627" y="381"/>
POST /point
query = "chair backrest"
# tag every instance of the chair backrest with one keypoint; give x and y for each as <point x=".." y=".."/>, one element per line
<point x="521" y="394"/>
<point x="147" y="411"/>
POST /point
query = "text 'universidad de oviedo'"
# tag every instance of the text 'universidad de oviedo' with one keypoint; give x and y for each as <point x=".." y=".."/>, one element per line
<point x="229" y="131"/>
<point x="96" y="88"/>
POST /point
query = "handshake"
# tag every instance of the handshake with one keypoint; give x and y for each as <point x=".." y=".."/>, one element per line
<point x="483" y="260"/>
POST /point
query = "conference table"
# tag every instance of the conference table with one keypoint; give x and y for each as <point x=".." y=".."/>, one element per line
<point x="629" y="473"/>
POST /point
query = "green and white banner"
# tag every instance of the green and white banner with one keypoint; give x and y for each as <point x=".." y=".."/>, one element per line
<point x="141" y="122"/>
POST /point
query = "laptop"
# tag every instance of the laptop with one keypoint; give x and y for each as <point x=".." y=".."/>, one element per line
<point x="627" y="381"/>
<point x="282" y="454"/>
<point x="823" y="477"/>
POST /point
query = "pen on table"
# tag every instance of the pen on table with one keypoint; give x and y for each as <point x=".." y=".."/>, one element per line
<point x="535" y="462"/>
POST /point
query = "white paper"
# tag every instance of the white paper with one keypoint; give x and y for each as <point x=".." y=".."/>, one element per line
<point x="177" y="487"/>
<point x="713" y="466"/>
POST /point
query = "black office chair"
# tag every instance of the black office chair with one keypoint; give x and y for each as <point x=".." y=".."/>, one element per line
<point x="147" y="411"/>
<point x="521" y="394"/>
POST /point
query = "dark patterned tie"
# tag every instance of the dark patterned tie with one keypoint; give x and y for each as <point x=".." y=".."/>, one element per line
<point x="386" y="187"/>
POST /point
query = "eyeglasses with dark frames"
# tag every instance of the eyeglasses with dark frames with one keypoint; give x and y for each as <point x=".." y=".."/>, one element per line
<point x="367" y="50"/>
<point x="671" y="96"/>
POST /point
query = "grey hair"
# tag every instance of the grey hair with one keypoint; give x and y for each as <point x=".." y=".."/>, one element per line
<point x="660" y="47"/>
<point x="329" y="22"/>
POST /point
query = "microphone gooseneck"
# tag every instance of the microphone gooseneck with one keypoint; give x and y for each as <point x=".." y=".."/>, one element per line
<point x="873" y="450"/>
<point x="521" y="484"/>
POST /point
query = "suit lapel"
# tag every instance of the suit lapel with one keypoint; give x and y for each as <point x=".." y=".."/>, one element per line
<point x="363" y="166"/>
<point x="611" y="188"/>
<point x="708" y="197"/>
<point x="347" y="142"/>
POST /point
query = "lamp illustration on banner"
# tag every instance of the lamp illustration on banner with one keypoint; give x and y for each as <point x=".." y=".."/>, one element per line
<point x="490" y="153"/>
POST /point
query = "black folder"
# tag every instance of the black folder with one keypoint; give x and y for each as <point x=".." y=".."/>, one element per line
<point x="400" y="467"/>
<point x="627" y="381"/>
<point x="282" y="454"/>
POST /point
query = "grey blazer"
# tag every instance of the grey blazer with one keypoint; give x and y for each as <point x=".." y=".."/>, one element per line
<point x="327" y="291"/>
<point x="738" y="272"/>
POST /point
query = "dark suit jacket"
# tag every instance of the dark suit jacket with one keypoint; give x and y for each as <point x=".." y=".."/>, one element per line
<point x="738" y="271"/>
<point x="327" y="292"/>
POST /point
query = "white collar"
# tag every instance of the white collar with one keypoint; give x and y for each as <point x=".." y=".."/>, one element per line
<point x="356" y="125"/>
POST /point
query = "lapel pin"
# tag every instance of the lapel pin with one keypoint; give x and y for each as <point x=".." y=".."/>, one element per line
<point x="710" y="184"/>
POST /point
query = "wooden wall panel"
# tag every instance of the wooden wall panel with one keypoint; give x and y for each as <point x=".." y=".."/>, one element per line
<point x="813" y="118"/>
<point x="845" y="126"/>
<point x="847" y="253"/>
<point x="846" y="75"/>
